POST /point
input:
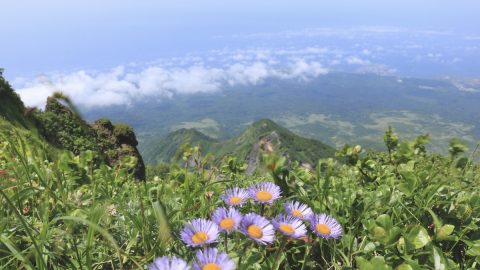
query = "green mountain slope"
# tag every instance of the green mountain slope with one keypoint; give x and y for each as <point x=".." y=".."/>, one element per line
<point x="12" y="110"/>
<point x="165" y="148"/>
<point x="264" y="134"/>
<point x="59" y="128"/>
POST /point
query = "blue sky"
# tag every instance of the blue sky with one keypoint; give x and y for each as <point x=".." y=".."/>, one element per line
<point x="52" y="39"/>
<point x="41" y="36"/>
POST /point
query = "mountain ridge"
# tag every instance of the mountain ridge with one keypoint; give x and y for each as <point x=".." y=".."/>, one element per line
<point x="262" y="135"/>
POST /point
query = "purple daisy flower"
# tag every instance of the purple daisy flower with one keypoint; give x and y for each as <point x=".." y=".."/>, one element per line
<point x="211" y="259"/>
<point x="257" y="228"/>
<point x="199" y="232"/>
<point x="290" y="226"/>
<point x="168" y="263"/>
<point x="227" y="219"/>
<point x="325" y="226"/>
<point x="235" y="196"/>
<point x="298" y="210"/>
<point x="264" y="192"/>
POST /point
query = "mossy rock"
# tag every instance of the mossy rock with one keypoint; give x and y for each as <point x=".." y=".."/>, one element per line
<point x="125" y="134"/>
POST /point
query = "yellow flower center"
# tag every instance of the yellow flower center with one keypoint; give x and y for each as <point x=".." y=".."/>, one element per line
<point x="264" y="196"/>
<point x="255" y="231"/>
<point x="211" y="266"/>
<point x="227" y="223"/>
<point x="297" y="213"/>
<point x="235" y="200"/>
<point x="287" y="228"/>
<point x="323" y="229"/>
<point x="199" y="237"/>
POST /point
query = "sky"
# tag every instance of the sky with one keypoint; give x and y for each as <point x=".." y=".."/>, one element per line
<point x="101" y="49"/>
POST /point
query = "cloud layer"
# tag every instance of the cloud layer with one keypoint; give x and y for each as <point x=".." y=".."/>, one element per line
<point x="122" y="85"/>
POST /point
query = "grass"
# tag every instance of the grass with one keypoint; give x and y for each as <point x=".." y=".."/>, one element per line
<point x="405" y="210"/>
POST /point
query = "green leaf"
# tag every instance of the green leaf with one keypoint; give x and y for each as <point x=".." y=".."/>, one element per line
<point x="473" y="248"/>
<point x="445" y="231"/>
<point x="370" y="247"/>
<point x="438" y="259"/>
<point x="401" y="245"/>
<point x="164" y="231"/>
<point x="410" y="178"/>
<point x="379" y="232"/>
<point x="393" y="235"/>
<point x="404" y="266"/>
<point x="418" y="237"/>
<point x="376" y="263"/>
<point x="436" y="220"/>
<point x="405" y="188"/>
<point x="384" y="221"/>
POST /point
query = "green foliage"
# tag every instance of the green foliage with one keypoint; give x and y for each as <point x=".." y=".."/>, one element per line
<point x="122" y="130"/>
<point x="65" y="129"/>
<point x="161" y="171"/>
<point x="11" y="106"/>
<point x="456" y="147"/>
<point x="103" y="121"/>
<point x="390" y="139"/>
<point x="61" y="125"/>
<point x="406" y="209"/>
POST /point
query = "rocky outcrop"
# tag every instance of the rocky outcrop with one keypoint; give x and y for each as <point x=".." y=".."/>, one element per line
<point x="119" y="141"/>
<point x="62" y="126"/>
<point x="267" y="144"/>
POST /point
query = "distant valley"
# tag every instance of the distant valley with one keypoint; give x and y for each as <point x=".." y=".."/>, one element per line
<point x="336" y="108"/>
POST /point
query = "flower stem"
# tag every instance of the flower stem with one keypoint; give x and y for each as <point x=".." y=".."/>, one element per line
<point x="279" y="252"/>
<point x="307" y="253"/>
<point x="242" y="255"/>
<point x="225" y="243"/>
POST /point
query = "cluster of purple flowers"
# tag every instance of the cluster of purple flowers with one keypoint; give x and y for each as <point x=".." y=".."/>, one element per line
<point x="200" y="232"/>
<point x="292" y="224"/>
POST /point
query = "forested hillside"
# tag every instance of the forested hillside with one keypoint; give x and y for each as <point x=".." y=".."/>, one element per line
<point x="263" y="134"/>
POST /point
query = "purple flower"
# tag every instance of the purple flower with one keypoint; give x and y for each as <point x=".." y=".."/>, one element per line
<point x="199" y="232"/>
<point x="211" y="259"/>
<point x="290" y="226"/>
<point x="264" y="192"/>
<point x="235" y="196"/>
<point x="325" y="226"/>
<point x="298" y="210"/>
<point x="257" y="228"/>
<point x="227" y="219"/>
<point x="168" y="263"/>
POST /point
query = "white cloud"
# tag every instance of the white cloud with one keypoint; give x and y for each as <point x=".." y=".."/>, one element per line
<point x="304" y="70"/>
<point x="378" y="69"/>
<point x="335" y="62"/>
<point x="354" y="60"/>
<point x="366" y="52"/>
<point x="247" y="74"/>
<point x="120" y="86"/>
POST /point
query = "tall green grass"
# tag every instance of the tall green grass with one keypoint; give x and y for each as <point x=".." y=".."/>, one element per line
<point x="402" y="209"/>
